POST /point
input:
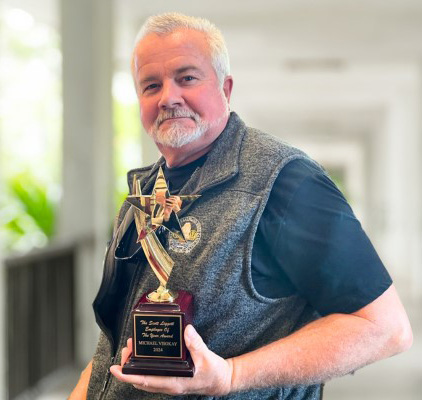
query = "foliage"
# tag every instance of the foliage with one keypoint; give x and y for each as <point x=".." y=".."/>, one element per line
<point x="33" y="198"/>
<point x="127" y="146"/>
<point x="28" y="213"/>
<point x="30" y="127"/>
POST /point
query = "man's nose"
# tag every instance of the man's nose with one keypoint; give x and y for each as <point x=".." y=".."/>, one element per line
<point x="171" y="95"/>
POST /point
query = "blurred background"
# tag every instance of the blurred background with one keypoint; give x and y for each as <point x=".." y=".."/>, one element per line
<point x="341" y="80"/>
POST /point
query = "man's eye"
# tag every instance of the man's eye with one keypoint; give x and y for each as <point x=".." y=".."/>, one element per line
<point x="151" y="87"/>
<point x="188" y="78"/>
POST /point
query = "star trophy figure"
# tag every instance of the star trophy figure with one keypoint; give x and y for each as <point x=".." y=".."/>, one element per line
<point x="160" y="316"/>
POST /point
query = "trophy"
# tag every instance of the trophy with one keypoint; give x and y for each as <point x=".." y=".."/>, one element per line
<point x="160" y="316"/>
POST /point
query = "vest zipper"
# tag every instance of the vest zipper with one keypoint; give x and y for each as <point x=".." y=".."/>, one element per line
<point x="129" y="303"/>
<point x="107" y="380"/>
<point x="106" y="331"/>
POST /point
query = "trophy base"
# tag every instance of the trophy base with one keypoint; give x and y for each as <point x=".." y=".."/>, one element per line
<point x="158" y="347"/>
<point x="161" y="368"/>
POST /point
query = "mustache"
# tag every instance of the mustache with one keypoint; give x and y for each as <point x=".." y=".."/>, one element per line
<point x="175" y="113"/>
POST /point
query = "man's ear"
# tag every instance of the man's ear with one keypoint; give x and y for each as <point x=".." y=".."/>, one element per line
<point x="227" y="87"/>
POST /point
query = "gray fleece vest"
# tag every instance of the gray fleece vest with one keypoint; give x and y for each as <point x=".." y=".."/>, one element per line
<point x="230" y="315"/>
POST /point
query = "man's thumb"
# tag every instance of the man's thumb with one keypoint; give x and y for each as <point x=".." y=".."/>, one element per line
<point x="194" y="342"/>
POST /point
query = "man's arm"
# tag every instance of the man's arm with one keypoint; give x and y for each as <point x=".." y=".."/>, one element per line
<point x="329" y="347"/>
<point x="80" y="391"/>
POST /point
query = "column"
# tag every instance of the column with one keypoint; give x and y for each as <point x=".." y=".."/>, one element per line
<point x="149" y="150"/>
<point x="86" y="211"/>
<point x="404" y="187"/>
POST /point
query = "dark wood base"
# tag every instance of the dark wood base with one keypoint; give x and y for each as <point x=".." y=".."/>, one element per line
<point x="138" y="366"/>
<point x="158" y="346"/>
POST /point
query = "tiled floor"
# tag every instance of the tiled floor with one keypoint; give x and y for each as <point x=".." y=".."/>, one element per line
<point x="398" y="378"/>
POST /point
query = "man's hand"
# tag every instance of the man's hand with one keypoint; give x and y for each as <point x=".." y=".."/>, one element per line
<point x="212" y="376"/>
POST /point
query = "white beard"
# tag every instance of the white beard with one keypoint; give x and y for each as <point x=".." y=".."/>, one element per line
<point x="178" y="135"/>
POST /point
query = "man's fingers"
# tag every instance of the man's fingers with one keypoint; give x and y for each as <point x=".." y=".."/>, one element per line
<point x="153" y="384"/>
<point x="125" y="355"/>
<point x="126" y="352"/>
<point x="116" y="370"/>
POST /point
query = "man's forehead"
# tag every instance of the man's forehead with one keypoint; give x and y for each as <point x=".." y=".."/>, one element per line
<point x="154" y="48"/>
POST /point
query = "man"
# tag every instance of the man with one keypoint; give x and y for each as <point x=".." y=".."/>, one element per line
<point x="288" y="290"/>
<point x="164" y="207"/>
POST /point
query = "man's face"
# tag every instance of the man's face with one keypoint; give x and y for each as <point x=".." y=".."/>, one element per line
<point x="180" y="98"/>
<point x="160" y="197"/>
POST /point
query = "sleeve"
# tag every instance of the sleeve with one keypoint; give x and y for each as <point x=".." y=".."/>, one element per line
<point x="319" y="244"/>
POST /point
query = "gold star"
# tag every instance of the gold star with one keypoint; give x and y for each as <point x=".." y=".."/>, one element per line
<point x="159" y="208"/>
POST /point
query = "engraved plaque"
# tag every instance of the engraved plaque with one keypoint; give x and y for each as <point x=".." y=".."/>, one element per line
<point x="157" y="335"/>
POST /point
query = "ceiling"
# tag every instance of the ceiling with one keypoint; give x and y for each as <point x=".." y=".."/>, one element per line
<point x="350" y="29"/>
<point x="273" y="39"/>
<point x="289" y="29"/>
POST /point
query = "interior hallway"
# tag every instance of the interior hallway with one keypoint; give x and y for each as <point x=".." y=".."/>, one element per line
<point x="351" y="97"/>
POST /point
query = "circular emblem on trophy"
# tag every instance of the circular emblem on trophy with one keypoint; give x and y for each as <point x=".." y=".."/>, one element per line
<point x="191" y="228"/>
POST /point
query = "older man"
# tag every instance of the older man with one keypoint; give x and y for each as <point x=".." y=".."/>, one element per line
<point x="288" y="290"/>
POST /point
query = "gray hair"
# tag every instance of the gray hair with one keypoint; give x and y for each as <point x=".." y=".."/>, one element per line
<point x="168" y="23"/>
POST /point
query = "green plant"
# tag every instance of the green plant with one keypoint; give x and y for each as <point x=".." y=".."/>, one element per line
<point x="27" y="210"/>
